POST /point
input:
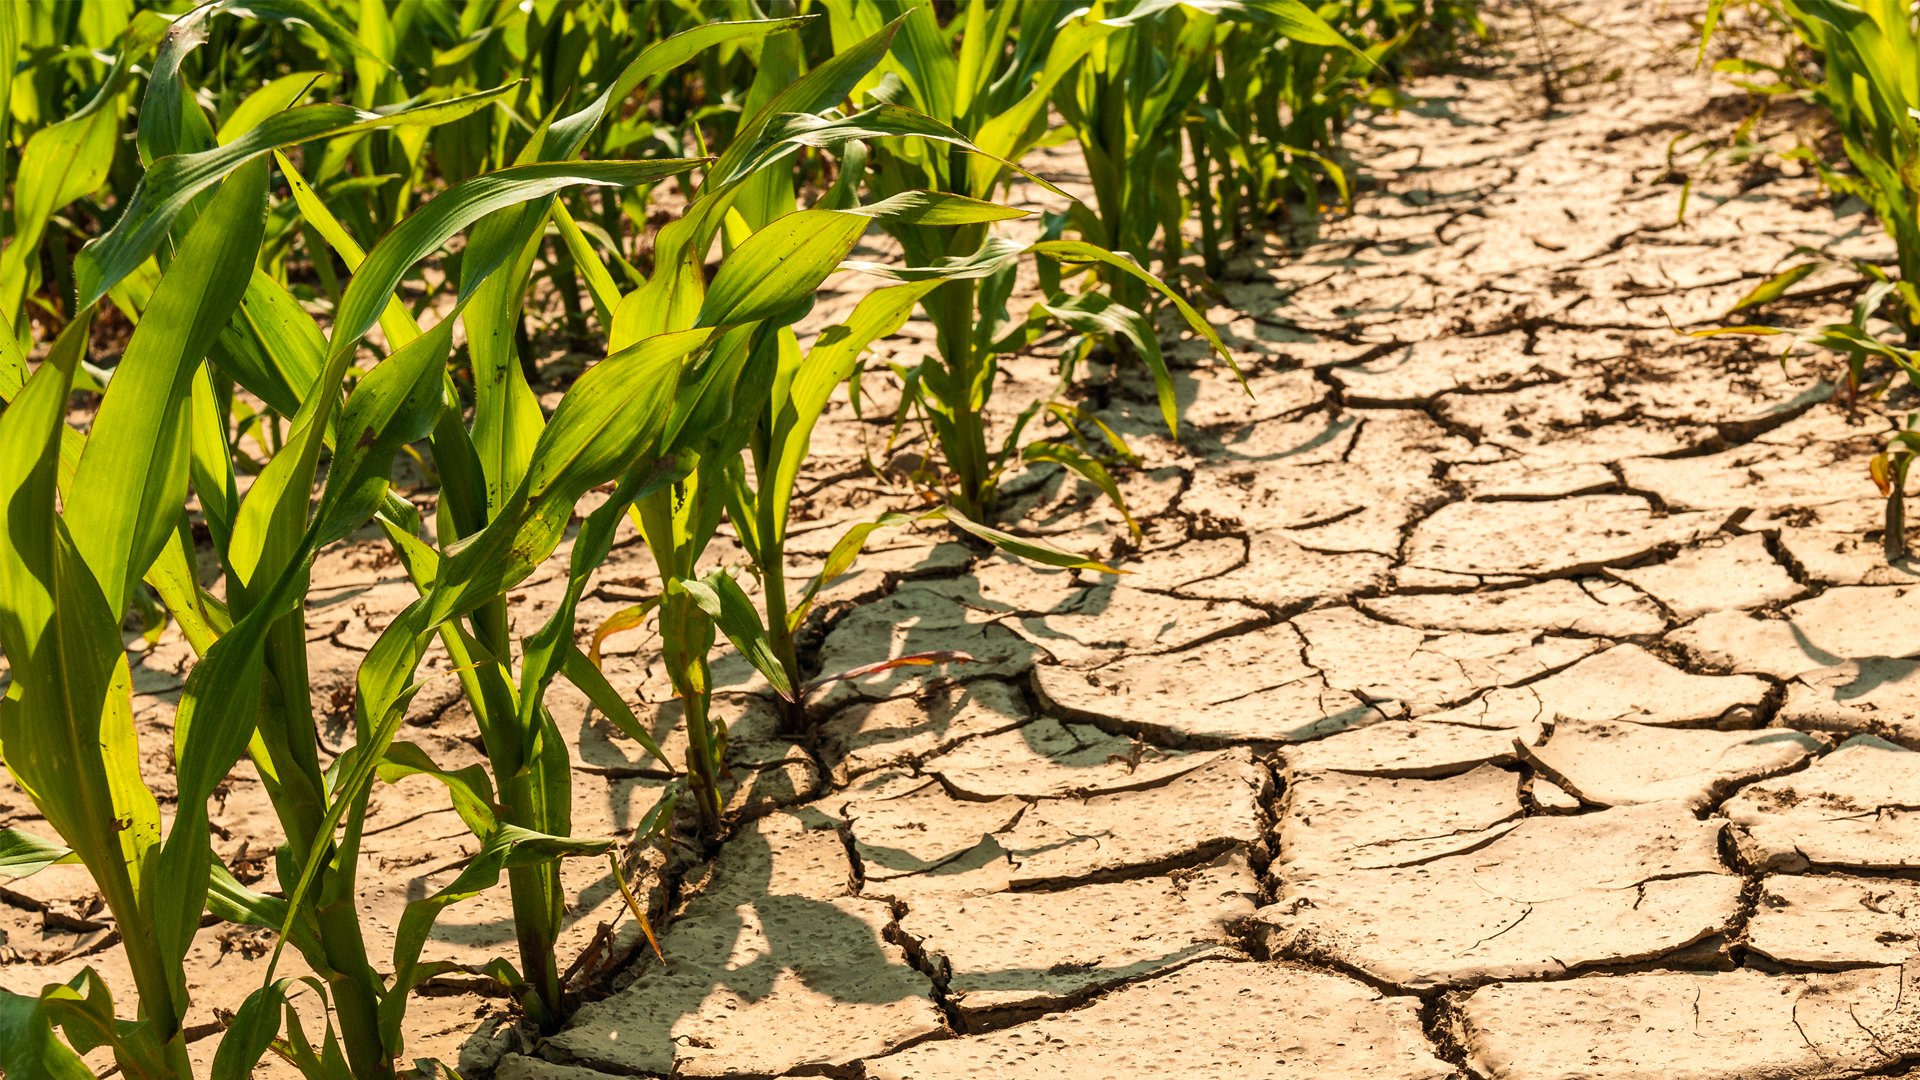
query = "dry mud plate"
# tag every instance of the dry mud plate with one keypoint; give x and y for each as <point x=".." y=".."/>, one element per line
<point x="1504" y="690"/>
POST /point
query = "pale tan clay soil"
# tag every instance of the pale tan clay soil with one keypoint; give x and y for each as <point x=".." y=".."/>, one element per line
<point x="1510" y="688"/>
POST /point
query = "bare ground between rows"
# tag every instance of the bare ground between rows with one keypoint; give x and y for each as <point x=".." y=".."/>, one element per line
<point x="1510" y="687"/>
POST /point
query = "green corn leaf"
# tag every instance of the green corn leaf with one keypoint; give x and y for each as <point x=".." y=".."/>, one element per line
<point x="172" y="182"/>
<point x="1847" y="338"/>
<point x="229" y="900"/>
<point x="823" y="87"/>
<point x="277" y="95"/>
<point x="61" y="163"/>
<point x="1861" y="46"/>
<point x="550" y="651"/>
<point x="924" y="55"/>
<point x="1008" y="133"/>
<point x="329" y="1063"/>
<point x="385" y="689"/>
<point x="995" y="254"/>
<point x="769" y="193"/>
<point x="671" y="299"/>
<point x="780" y="137"/>
<point x="506" y="414"/>
<point x="680" y="246"/>
<point x="841" y="558"/>
<point x="584" y="674"/>
<point x="433" y="224"/>
<point x="1096" y="313"/>
<point x="721" y="597"/>
<point x="613" y="416"/>
<point x="719" y="399"/>
<point x="601" y="287"/>
<point x="67" y="723"/>
<point x="936" y="208"/>
<point x="1080" y="462"/>
<point x="471" y="790"/>
<point x="253" y="1028"/>
<point x="779" y="266"/>
<point x="13" y="362"/>
<point x="982" y="36"/>
<point x="272" y="346"/>
<point x="1291" y="18"/>
<point x="29" y="1049"/>
<point x="215" y="720"/>
<point x="1080" y="251"/>
<point x="308" y="13"/>
<point x="1025" y="547"/>
<point x="847" y="549"/>
<point x="171" y="122"/>
<point x="397" y="403"/>
<point x="133" y="472"/>
<point x="23" y="854"/>
<point x="83" y="1011"/>
<point x="395" y="321"/>
<point x="1708" y="23"/>
<point x="9" y="46"/>
<point x="828" y="364"/>
<point x="508" y="847"/>
<point x="570" y="132"/>
<point x="209" y="464"/>
<point x="67" y="160"/>
<point x="1774" y="287"/>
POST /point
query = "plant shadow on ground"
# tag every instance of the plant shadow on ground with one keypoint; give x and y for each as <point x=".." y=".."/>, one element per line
<point x="1221" y="444"/>
<point x="739" y="956"/>
<point x="1873" y="672"/>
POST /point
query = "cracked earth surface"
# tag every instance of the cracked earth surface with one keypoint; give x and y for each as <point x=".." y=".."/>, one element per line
<point x="1509" y="688"/>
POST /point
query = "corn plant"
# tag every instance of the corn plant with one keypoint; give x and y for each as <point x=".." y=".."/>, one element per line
<point x="73" y="116"/>
<point x="1139" y="90"/>
<point x="526" y="752"/>
<point x="1868" y="81"/>
<point x="760" y="398"/>
<point x="992" y="95"/>
<point x="1253" y="165"/>
<point x="75" y="167"/>
<point x="248" y="693"/>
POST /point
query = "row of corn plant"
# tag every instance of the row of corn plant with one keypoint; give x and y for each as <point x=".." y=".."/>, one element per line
<point x="1232" y="112"/>
<point x="298" y="205"/>
<point x="1254" y="92"/>
<point x="267" y="543"/>
<point x="1860" y="64"/>
<point x="248" y="693"/>
<point x="202" y="212"/>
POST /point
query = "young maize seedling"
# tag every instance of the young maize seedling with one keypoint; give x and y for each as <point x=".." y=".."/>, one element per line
<point x="1870" y="85"/>
<point x="526" y="753"/>
<point x="766" y="281"/>
<point x="1133" y="96"/>
<point x="1889" y="471"/>
<point x="149" y="427"/>
<point x="66" y="726"/>
<point x="779" y="396"/>
<point x="992" y="97"/>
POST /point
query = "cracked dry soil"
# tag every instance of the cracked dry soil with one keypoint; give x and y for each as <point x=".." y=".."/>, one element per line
<point x="1509" y="688"/>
